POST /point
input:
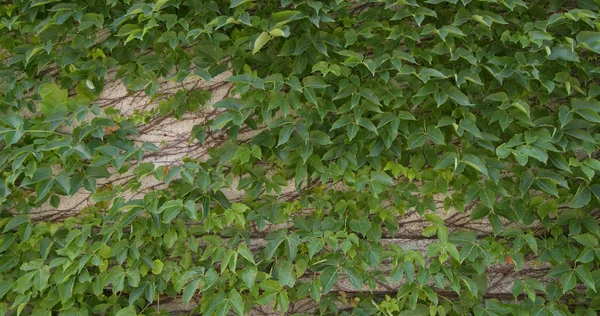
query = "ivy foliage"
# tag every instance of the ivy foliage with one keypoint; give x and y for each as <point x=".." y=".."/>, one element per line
<point x="486" y="109"/>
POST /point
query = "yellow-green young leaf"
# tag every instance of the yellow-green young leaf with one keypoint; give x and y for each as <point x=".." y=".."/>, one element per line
<point x="260" y="41"/>
<point x="159" y="4"/>
<point x="277" y="33"/>
<point x="105" y="251"/>
<point x="54" y="99"/>
<point x="157" y="266"/>
<point x="235" y="3"/>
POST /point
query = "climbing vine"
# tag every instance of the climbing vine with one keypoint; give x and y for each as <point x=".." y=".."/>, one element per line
<point x="397" y="157"/>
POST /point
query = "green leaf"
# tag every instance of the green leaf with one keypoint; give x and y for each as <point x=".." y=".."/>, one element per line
<point x="315" y="246"/>
<point x="563" y="52"/>
<point x="407" y="116"/>
<point x="261" y="41"/>
<point x="249" y="275"/>
<point x="564" y="115"/>
<point x="458" y="96"/>
<point x="157" y="266"/>
<point x="380" y="181"/>
<point x="416" y="140"/>
<point x="585" y="276"/>
<point x="236" y="302"/>
<point x="436" y="136"/>
<point x="245" y="252"/>
<point x="13" y="120"/>
<point x="216" y="301"/>
<point x="341" y="122"/>
<point x="54" y="99"/>
<point x="366" y="123"/>
<point x="235" y="3"/>
<point x="581" y="198"/>
<point x="190" y="290"/>
<point x="547" y="186"/>
<point x="568" y="280"/>
<point x="320" y="138"/>
<point x="284" y="134"/>
<point x="8" y="262"/>
<point x="354" y="277"/>
<point x="15" y="222"/>
<point x="127" y="311"/>
<point x="314" y="82"/>
<point x="587" y="240"/>
<point x="230" y="104"/>
<point x="286" y="274"/>
<point x="361" y="225"/>
<point x="328" y="278"/>
<point x="476" y="163"/>
<point x="292" y="242"/>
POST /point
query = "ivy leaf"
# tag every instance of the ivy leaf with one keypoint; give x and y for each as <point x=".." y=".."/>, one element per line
<point x="366" y="123"/>
<point x="547" y="186"/>
<point x="286" y="274"/>
<point x="54" y="99"/>
<point x="380" y="181"/>
<point x="328" y="278"/>
<point x="190" y="290"/>
<point x="249" y="275"/>
<point x="315" y="246"/>
<point x="581" y="198"/>
<point x="170" y="210"/>
<point x="292" y="242"/>
<point x="320" y="138"/>
<point x="436" y="136"/>
<point x="284" y="134"/>
<point x="245" y="252"/>
<point x="568" y="280"/>
<point x="217" y="302"/>
<point x="43" y="187"/>
<point x="361" y="225"/>
<point x="341" y="122"/>
<point x="587" y="240"/>
<point x="585" y="276"/>
<point x="236" y="302"/>
<point x="127" y="311"/>
<point x="8" y="262"/>
<point x="261" y="41"/>
<point x="354" y="277"/>
<point x="476" y="163"/>
<point x="157" y="267"/>
<point x="230" y="104"/>
<point x="416" y="140"/>
<point x="458" y="97"/>
<point x="15" y="222"/>
<point x="235" y="3"/>
<point x="314" y="82"/>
